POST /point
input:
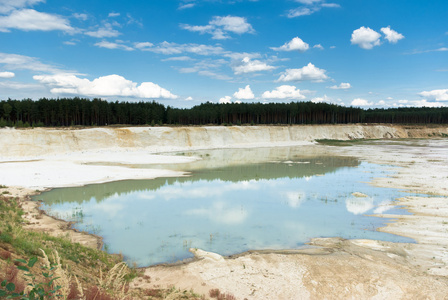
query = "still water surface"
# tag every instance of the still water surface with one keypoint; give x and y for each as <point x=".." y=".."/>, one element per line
<point x="232" y="207"/>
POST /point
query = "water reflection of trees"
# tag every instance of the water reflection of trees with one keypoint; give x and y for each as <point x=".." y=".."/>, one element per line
<point x="297" y="168"/>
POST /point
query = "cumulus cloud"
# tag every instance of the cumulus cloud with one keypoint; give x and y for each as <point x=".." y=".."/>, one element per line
<point x="110" y="45"/>
<point x="31" y="20"/>
<point x="245" y="93"/>
<point x="296" y="44"/>
<point x="365" y="38"/>
<point x="361" y="102"/>
<point x="437" y="95"/>
<point x="219" y="27"/>
<point x="342" y="86"/>
<point x="324" y="99"/>
<point x="391" y="35"/>
<point x="106" y="30"/>
<point x="308" y="72"/>
<point x="111" y="85"/>
<point x="246" y="65"/>
<point x="225" y="100"/>
<point x="284" y="92"/>
<point x="318" y="46"/>
<point x="7" y="74"/>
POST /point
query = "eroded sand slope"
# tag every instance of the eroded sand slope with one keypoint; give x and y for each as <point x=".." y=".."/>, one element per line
<point x="40" y="141"/>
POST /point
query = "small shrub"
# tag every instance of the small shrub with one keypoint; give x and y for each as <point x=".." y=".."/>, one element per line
<point x="4" y="254"/>
<point x="94" y="292"/>
<point x="154" y="293"/>
<point x="214" y="293"/>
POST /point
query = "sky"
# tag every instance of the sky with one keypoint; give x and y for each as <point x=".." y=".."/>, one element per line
<point x="363" y="53"/>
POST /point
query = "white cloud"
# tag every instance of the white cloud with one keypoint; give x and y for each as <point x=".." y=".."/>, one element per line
<point x="309" y="7"/>
<point x="7" y="74"/>
<point x="437" y="95"/>
<point x="189" y="99"/>
<point x="324" y="99"/>
<point x="245" y="93"/>
<point x="318" y="46"/>
<point x="82" y="17"/>
<point x="246" y="65"/>
<point x="178" y="58"/>
<point x="365" y="38"/>
<point x="308" y="1"/>
<point x="361" y="102"/>
<point x="168" y="48"/>
<point x="342" y="86"/>
<point x="391" y="35"/>
<point x="418" y="103"/>
<point x="22" y="62"/>
<point x="113" y="15"/>
<point x="185" y="6"/>
<point x="330" y="5"/>
<point x="308" y="72"/>
<point x="233" y="24"/>
<point x="284" y="92"/>
<point x="111" y="85"/>
<point x="31" y="20"/>
<point x="301" y="11"/>
<point x="143" y="46"/>
<point x="110" y="45"/>
<point x="296" y="44"/>
<point x="219" y="27"/>
<point x="225" y="100"/>
<point x="381" y="102"/>
<point x="8" y="5"/>
<point x="106" y="31"/>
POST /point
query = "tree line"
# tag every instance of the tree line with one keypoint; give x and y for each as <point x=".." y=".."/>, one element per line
<point x="97" y="112"/>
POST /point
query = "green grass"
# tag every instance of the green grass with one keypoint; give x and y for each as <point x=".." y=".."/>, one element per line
<point x="28" y="243"/>
<point x="339" y="143"/>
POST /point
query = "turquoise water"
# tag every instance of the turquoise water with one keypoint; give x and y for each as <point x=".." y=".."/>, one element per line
<point x="276" y="204"/>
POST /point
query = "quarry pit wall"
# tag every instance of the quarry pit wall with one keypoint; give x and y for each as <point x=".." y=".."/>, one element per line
<point x="47" y="141"/>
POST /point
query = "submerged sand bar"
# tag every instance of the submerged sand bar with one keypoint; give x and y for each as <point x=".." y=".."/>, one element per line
<point x="337" y="269"/>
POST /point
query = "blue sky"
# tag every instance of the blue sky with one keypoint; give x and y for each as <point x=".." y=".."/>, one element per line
<point x="377" y="53"/>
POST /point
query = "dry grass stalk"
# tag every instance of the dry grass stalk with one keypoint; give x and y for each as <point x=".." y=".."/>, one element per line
<point x="114" y="280"/>
<point x="80" y="289"/>
<point x="61" y="275"/>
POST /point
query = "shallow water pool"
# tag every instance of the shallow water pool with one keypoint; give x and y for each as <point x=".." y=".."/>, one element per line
<point x="279" y="202"/>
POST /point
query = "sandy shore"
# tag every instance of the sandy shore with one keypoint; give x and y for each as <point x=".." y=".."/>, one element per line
<point x="335" y="269"/>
